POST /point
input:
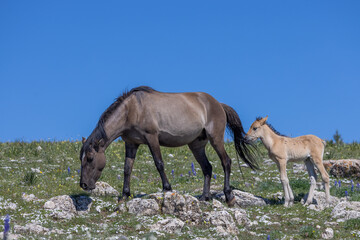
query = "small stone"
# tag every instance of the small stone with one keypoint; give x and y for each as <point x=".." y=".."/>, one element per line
<point x="328" y="234"/>
<point x="104" y="189"/>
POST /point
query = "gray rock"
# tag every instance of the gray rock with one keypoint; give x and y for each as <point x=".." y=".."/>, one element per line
<point x="343" y="167"/>
<point x="222" y="220"/>
<point x="328" y="234"/>
<point x="35" y="229"/>
<point x="104" y="189"/>
<point x="66" y="207"/>
<point x="217" y="205"/>
<point x="173" y="203"/>
<point x="244" y="199"/>
<point x="299" y="167"/>
<point x="11" y="236"/>
<point x="241" y="217"/>
<point x="168" y="225"/>
<point x="319" y="201"/>
<point x="158" y="197"/>
<point x="29" y="198"/>
<point x="120" y="237"/>
<point x="145" y="207"/>
<point x="346" y="210"/>
<point x="191" y="212"/>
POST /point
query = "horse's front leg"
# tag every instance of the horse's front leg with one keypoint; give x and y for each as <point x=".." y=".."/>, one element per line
<point x="130" y="153"/>
<point x="154" y="146"/>
<point x="289" y="197"/>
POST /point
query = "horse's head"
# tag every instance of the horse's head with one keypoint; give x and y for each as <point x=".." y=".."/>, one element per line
<point x="92" y="157"/>
<point x="256" y="129"/>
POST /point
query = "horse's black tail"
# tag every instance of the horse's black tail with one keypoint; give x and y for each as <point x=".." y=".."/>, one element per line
<point x="244" y="148"/>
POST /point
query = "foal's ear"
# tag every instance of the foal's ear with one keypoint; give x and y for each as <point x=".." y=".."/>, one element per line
<point x="83" y="140"/>
<point x="263" y="121"/>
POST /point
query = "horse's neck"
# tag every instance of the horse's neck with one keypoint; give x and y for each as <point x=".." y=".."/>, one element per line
<point x="269" y="137"/>
<point x="114" y="125"/>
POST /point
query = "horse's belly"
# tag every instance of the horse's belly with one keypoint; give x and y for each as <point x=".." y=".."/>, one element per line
<point x="179" y="139"/>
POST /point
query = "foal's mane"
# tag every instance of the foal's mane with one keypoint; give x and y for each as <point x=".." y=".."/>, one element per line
<point x="99" y="131"/>
<point x="271" y="127"/>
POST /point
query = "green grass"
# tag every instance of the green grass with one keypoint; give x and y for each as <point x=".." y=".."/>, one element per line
<point x="41" y="168"/>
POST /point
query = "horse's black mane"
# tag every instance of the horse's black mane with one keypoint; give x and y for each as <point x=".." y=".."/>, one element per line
<point x="271" y="127"/>
<point x="99" y="131"/>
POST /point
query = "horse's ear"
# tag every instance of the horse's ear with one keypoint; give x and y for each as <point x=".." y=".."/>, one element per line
<point x="263" y="121"/>
<point x="83" y="140"/>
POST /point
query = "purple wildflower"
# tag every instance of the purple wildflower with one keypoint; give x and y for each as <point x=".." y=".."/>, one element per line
<point x="189" y="173"/>
<point x="346" y="193"/>
<point x="69" y="170"/>
<point x="215" y="176"/>
<point x="193" y="169"/>
<point x="181" y="175"/>
<point x="335" y="184"/>
<point x="268" y="237"/>
<point x="352" y="187"/>
<point x="78" y="171"/>
<point x="6" y="226"/>
<point x="118" y="177"/>
<point x="339" y="183"/>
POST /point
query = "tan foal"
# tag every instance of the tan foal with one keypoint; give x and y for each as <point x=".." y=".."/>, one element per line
<point x="281" y="149"/>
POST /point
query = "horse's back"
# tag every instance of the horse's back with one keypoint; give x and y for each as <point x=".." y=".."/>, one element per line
<point x="177" y="118"/>
<point x="302" y="147"/>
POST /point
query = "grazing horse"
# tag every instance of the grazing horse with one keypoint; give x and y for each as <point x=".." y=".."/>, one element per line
<point x="145" y="116"/>
<point x="282" y="149"/>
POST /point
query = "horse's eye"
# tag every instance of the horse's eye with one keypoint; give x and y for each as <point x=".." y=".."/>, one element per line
<point x="254" y="128"/>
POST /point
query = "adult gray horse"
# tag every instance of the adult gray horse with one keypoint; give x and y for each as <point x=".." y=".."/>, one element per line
<point x="145" y="116"/>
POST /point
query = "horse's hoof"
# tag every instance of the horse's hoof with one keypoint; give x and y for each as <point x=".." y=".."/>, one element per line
<point x="231" y="202"/>
<point x="203" y="198"/>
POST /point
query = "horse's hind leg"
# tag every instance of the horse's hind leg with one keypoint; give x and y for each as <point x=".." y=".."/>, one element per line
<point x="218" y="145"/>
<point x="324" y="175"/>
<point x="198" y="149"/>
<point x="130" y="153"/>
<point x="313" y="177"/>
<point x="153" y="143"/>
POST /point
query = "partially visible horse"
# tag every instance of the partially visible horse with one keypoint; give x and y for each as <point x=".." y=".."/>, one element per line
<point x="145" y="116"/>
<point x="281" y="149"/>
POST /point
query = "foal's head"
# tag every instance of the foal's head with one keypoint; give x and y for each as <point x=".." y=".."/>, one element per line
<point x="92" y="157"/>
<point x="256" y="129"/>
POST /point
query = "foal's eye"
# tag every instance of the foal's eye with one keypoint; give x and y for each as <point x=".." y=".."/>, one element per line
<point x="254" y="128"/>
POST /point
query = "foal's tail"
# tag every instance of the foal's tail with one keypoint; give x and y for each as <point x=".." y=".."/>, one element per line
<point x="244" y="148"/>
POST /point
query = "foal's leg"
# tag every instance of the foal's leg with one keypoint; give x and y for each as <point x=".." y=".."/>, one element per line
<point x="153" y="143"/>
<point x="198" y="149"/>
<point x="130" y="153"/>
<point x="313" y="178"/>
<point x="289" y="197"/>
<point x="324" y="175"/>
<point x="218" y="145"/>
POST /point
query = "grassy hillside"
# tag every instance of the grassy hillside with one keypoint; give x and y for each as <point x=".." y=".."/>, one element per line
<point x="48" y="169"/>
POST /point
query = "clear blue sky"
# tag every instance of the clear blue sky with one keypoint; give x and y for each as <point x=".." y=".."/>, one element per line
<point x="62" y="63"/>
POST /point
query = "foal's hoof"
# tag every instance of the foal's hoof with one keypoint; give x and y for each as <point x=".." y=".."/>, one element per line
<point x="231" y="202"/>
